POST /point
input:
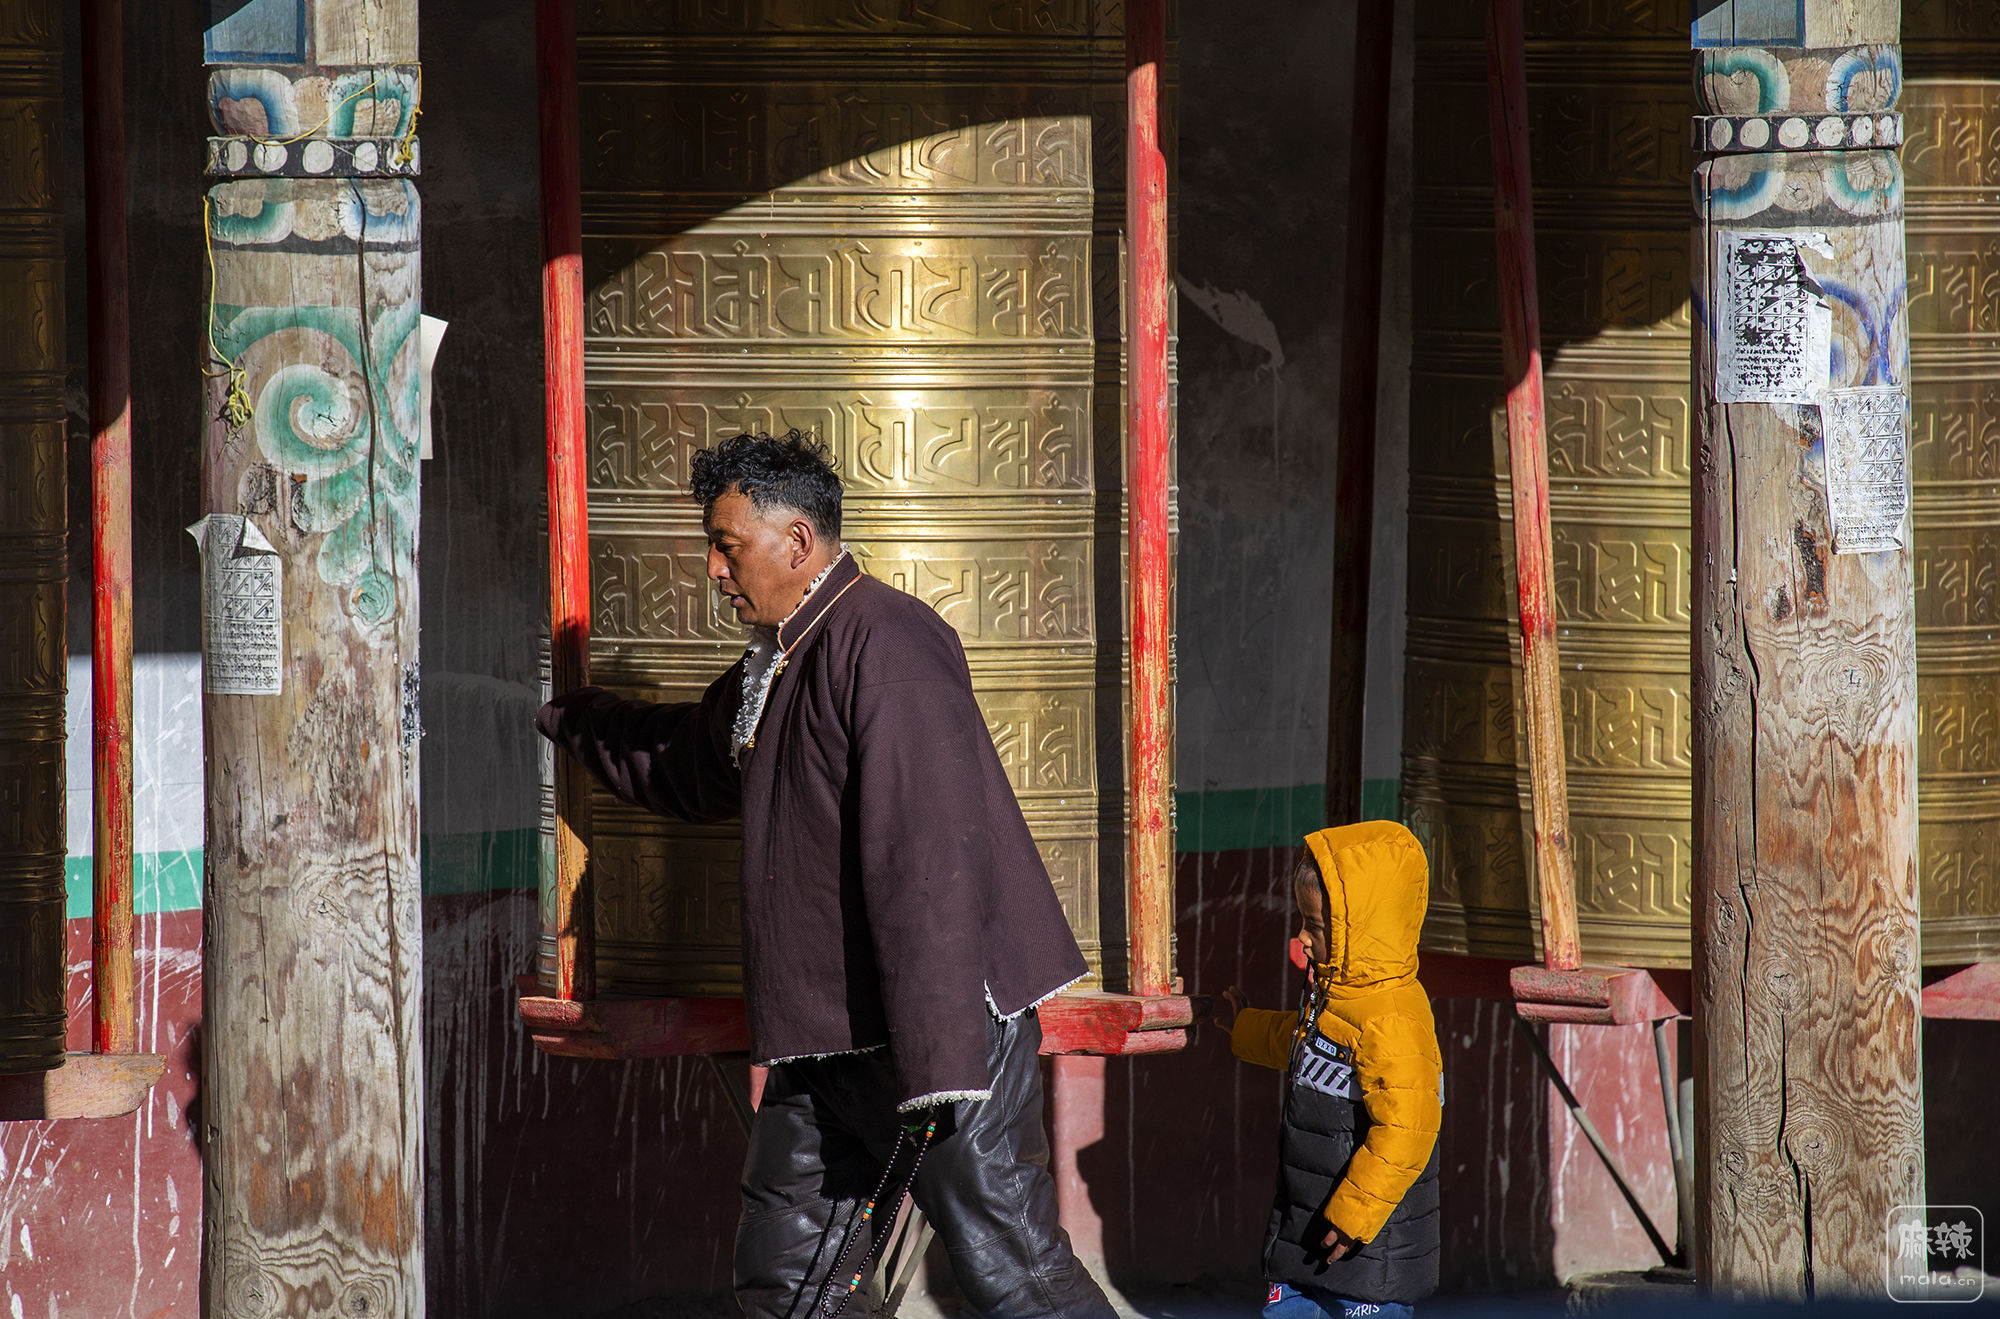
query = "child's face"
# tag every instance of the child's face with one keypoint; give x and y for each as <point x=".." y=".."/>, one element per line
<point x="1311" y="900"/>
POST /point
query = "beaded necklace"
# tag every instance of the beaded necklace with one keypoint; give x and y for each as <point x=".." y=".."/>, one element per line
<point x="875" y="1200"/>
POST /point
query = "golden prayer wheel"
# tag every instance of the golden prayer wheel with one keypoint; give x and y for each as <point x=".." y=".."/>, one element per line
<point x="1610" y="105"/>
<point x="33" y="555"/>
<point x="1951" y="118"/>
<point x="897" y="230"/>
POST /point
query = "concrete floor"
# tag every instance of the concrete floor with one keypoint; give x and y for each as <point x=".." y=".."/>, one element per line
<point x="1603" y="1294"/>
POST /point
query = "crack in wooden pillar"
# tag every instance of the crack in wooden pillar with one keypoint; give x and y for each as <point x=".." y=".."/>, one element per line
<point x="311" y="1119"/>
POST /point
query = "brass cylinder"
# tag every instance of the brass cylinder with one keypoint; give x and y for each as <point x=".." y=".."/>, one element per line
<point x="33" y="525"/>
<point x="898" y="232"/>
<point x="1610" y="106"/>
<point x="1609" y="112"/>
<point x="1951" y="120"/>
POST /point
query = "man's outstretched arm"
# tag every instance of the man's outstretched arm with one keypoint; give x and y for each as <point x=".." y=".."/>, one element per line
<point x="673" y="759"/>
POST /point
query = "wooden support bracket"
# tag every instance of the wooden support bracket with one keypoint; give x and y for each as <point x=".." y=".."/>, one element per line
<point x="1589" y="995"/>
<point x="1964" y="993"/>
<point x="86" y="1085"/>
<point x="1117" y="1025"/>
<point x="1621" y="995"/>
<point x="1596" y="995"/>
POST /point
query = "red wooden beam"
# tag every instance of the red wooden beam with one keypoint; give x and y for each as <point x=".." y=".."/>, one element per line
<point x="569" y="518"/>
<point x="1527" y="447"/>
<point x="114" y="1026"/>
<point x="1085" y="1023"/>
<point x="1151" y="865"/>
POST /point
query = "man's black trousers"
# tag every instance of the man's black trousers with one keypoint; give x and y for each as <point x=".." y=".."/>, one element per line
<point x="825" y="1130"/>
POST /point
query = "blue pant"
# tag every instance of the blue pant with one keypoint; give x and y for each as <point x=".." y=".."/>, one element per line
<point x="1289" y="1303"/>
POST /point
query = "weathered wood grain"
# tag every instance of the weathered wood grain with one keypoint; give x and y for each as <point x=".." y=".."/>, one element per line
<point x="1808" y="1116"/>
<point x="312" y="1088"/>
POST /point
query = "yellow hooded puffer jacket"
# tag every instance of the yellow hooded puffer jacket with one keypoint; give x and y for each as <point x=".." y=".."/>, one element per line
<point x="1377" y="887"/>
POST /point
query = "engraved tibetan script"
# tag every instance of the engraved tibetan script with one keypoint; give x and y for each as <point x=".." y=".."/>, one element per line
<point x="1867" y="468"/>
<point x="1773" y="328"/>
<point x="242" y="599"/>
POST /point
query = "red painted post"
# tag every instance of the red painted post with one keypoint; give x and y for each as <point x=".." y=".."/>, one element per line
<point x="114" y="1026"/>
<point x="1528" y="452"/>
<point x="1076" y="1122"/>
<point x="569" y="519"/>
<point x="1360" y="371"/>
<point x="1150" y="896"/>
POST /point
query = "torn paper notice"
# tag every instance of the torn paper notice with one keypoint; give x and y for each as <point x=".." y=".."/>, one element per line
<point x="1867" y="468"/>
<point x="430" y="333"/>
<point x="242" y="608"/>
<point x="1774" y="329"/>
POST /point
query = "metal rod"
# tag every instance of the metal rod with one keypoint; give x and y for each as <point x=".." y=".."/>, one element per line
<point x="1676" y="1135"/>
<point x="114" y="1024"/>
<point x="1527" y="448"/>
<point x="1360" y="371"/>
<point x="1150" y="897"/>
<point x="905" y="1270"/>
<point x="1589" y="1130"/>
<point x="734" y="1092"/>
<point x="569" y="527"/>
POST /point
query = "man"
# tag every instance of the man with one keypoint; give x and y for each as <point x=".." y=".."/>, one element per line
<point x="898" y="926"/>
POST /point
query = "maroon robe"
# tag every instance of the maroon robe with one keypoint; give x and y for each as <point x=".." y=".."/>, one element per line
<point x="890" y="885"/>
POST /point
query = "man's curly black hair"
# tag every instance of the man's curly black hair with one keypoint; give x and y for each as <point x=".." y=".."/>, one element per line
<point x="793" y="471"/>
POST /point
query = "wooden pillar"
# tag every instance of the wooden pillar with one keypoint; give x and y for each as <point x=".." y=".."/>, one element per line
<point x="1808" y="1122"/>
<point x="114" y="1015"/>
<point x="1147" y="434"/>
<point x="1528" y="467"/>
<point x="311" y="1115"/>
<point x="569" y="505"/>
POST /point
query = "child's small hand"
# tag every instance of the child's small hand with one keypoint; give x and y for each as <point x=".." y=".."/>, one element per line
<point x="1339" y="1245"/>
<point x="1225" y="1013"/>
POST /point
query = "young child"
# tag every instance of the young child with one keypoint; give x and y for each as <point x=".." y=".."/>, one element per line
<point x="1354" y="1229"/>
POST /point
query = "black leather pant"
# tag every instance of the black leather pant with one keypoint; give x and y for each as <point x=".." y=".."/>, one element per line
<point x="823" y="1133"/>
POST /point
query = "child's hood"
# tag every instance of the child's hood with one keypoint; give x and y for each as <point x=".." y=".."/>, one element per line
<point x="1377" y="885"/>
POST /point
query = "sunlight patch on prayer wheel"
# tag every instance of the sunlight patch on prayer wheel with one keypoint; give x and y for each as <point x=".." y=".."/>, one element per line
<point x="900" y="234"/>
<point x="33" y="555"/>
<point x="1610" y="107"/>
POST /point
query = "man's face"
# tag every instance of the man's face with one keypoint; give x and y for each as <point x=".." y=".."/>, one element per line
<point x="761" y="559"/>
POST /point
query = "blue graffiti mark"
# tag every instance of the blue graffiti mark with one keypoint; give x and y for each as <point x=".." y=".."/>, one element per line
<point x="1878" y="369"/>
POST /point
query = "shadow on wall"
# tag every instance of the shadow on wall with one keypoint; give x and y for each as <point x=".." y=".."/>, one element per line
<point x="558" y="1186"/>
<point x="1185" y="1173"/>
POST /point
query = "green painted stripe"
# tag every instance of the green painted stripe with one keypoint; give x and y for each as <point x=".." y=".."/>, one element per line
<point x="453" y="863"/>
<point x="1224" y="820"/>
<point x="161" y="881"/>
<point x="481" y="863"/>
<point x="1234" y="819"/>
